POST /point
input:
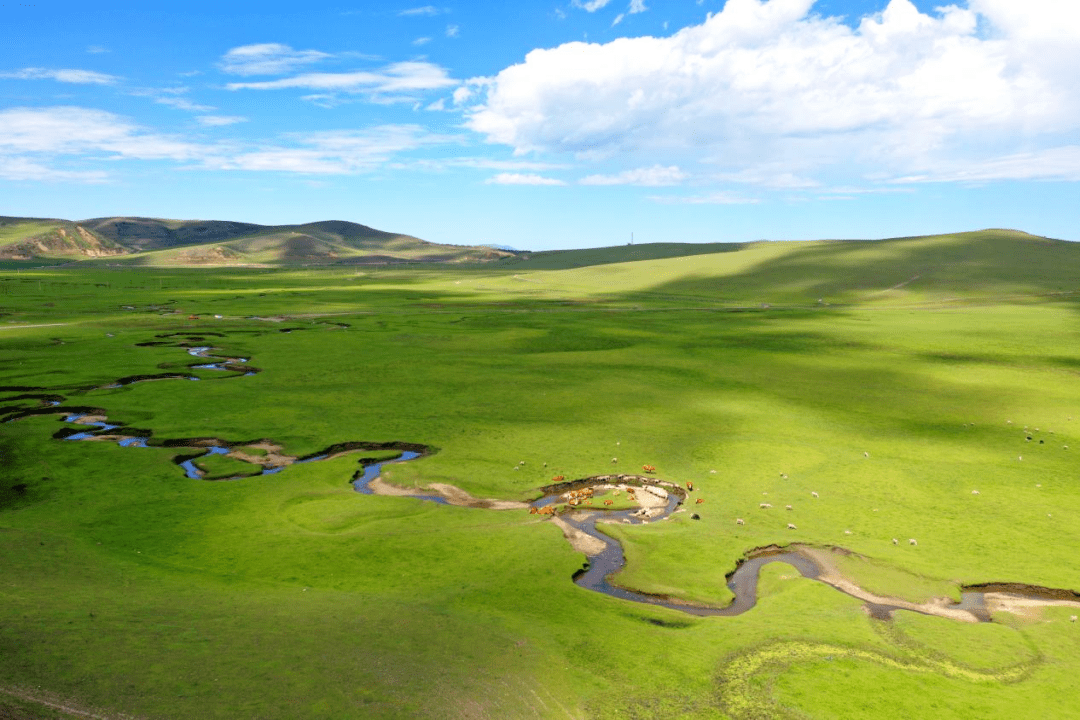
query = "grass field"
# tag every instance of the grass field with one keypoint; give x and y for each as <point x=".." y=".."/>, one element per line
<point x="129" y="590"/>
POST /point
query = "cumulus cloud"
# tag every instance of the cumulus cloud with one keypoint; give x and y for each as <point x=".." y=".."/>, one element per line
<point x="522" y="179"/>
<point x="771" y="81"/>
<point x="79" y="77"/>
<point x="655" y="176"/>
<point x="267" y="59"/>
<point x="398" y="78"/>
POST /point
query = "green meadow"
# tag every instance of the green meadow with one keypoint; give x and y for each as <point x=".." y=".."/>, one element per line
<point x="891" y="379"/>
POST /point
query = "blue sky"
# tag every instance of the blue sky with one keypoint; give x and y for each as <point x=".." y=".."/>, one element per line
<point x="542" y="124"/>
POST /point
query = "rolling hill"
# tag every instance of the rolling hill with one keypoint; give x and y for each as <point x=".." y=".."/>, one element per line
<point x="179" y="243"/>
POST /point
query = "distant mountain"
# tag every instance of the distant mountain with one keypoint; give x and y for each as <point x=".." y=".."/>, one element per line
<point x="153" y="241"/>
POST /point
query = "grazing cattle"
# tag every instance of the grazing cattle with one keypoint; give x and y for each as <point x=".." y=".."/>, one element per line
<point x="533" y="511"/>
<point x="608" y="502"/>
<point x="699" y="501"/>
<point x="690" y="486"/>
<point x="649" y="468"/>
<point x="791" y="526"/>
<point x="740" y="521"/>
<point x="813" y="494"/>
<point x="912" y="541"/>
<point x="558" y="478"/>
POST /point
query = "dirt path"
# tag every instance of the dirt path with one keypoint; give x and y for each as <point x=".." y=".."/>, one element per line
<point x="453" y="495"/>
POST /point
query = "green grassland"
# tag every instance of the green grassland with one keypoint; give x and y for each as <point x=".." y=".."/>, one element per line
<point x="129" y="590"/>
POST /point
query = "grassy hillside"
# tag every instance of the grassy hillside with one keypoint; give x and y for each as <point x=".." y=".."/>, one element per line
<point x="26" y="239"/>
<point x="130" y="590"/>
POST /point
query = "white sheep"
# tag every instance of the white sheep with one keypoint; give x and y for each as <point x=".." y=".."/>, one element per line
<point x="740" y="521"/>
<point x="974" y="492"/>
<point x="847" y="532"/>
<point x="813" y="494"/>
<point x="1072" y="618"/>
<point x="614" y="460"/>
<point x="791" y="526"/>
<point x="764" y="506"/>
<point x="866" y="454"/>
<point x="789" y="507"/>
<point x="895" y="541"/>
<point x="912" y="541"/>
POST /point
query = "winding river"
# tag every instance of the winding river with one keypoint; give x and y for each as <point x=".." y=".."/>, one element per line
<point x="605" y="557"/>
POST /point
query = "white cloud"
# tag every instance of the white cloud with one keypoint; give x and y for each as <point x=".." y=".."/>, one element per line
<point x="79" y="77"/>
<point x="591" y="5"/>
<point x="428" y="10"/>
<point x="1058" y="163"/>
<point x="771" y="82"/>
<point x="463" y="94"/>
<point x="38" y="143"/>
<point x="75" y="130"/>
<point x="20" y="168"/>
<point x="396" y="79"/>
<point x="267" y="59"/>
<point x="655" y="176"/>
<point x="421" y="41"/>
<point x="618" y="19"/>
<point x="332" y="152"/>
<point x="715" y="198"/>
<point x="183" y="104"/>
<point x="96" y="49"/>
<point x="220" y="120"/>
<point x="439" y="104"/>
<point x="522" y="179"/>
<point x="452" y="31"/>
<point x="637" y="6"/>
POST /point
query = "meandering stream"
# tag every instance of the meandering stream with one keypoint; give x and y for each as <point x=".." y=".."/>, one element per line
<point x="606" y="558"/>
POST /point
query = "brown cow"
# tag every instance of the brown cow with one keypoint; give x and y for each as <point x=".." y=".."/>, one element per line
<point x="699" y="501"/>
<point x="558" y="478"/>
